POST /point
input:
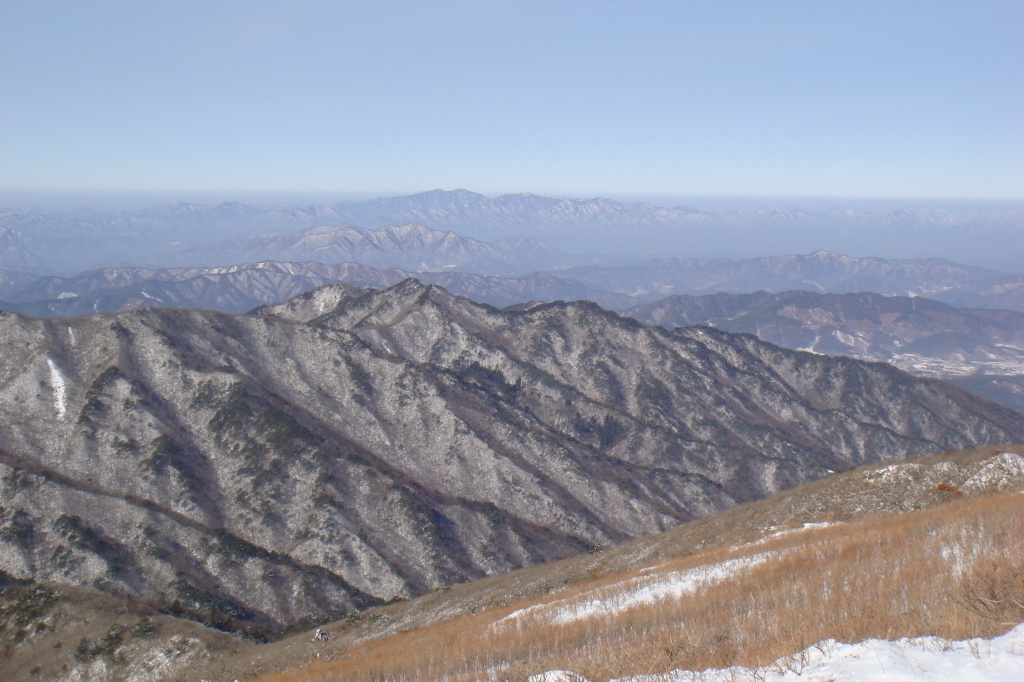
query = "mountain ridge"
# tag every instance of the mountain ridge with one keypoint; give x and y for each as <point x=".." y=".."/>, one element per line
<point x="979" y="349"/>
<point x="614" y="286"/>
<point x="408" y="439"/>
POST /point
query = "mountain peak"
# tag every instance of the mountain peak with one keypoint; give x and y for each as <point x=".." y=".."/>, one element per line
<point x="412" y="229"/>
<point x="449" y="196"/>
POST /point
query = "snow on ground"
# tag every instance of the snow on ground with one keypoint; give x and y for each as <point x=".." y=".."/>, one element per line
<point x="651" y="587"/>
<point x="790" y="531"/>
<point x="995" y="471"/>
<point x="952" y="366"/>
<point x="998" y="472"/>
<point x="57" y="381"/>
<point x="921" y="659"/>
<point x="809" y="348"/>
<point x="639" y="591"/>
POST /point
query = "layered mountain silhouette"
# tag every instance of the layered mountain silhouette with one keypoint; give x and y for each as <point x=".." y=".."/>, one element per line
<point x="184" y="234"/>
<point x="236" y="288"/>
<point x="402" y="246"/>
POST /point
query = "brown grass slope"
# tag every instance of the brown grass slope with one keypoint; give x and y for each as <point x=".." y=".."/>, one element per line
<point x="925" y="547"/>
<point x="63" y="632"/>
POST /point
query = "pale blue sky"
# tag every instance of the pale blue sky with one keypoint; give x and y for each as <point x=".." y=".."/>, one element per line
<point x="813" y="98"/>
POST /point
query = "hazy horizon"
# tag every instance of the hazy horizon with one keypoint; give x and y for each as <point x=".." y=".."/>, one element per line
<point x="719" y="107"/>
<point x="984" y="233"/>
<point x="129" y="200"/>
<point x="918" y="98"/>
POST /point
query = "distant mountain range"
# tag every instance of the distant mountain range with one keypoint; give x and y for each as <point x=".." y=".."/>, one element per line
<point x="820" y="271"/>
<point x="409" y="246"/>
<point x="1005" y="292"/>
<point x="975" y="348"/>
<point x="982" y="350"/>
<point x="865" y="325"/>
<point x="352" y="447"/>
<point x="18" y="251"/>
<point x="635" y="227"/>
<point x="188" y="234"/>
<point x="238" y="288"/>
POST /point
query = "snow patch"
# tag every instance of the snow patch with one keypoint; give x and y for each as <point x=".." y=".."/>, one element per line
<point x="810" y="347"/>
<point x="790" y="531"/>
<point x="558" y="676"/>
<point x="641" y="591"/>
<point x="1004" y="468"/>
<point x="844" y="338"/>
<point x="895" y="473"/>
<point x="921" y="659"/>
<point x="59" y="388"/>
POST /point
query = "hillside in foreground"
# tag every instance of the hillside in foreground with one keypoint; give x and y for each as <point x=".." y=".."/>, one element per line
<point x="891" y="550"/>
<point x="887" y="551"/>
<point x="898" y="549"/>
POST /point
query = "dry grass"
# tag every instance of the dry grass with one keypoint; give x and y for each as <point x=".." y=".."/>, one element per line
<point x="955" y="570"/>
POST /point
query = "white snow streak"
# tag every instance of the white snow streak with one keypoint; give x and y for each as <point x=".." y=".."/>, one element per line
<point x="811" y="345"/>
<point x="57" y="381"/>
<point x="790" y="531"/>
<point x="641" y="591"/>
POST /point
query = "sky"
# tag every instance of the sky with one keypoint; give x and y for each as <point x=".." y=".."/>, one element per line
<point x="899" y="98"/>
